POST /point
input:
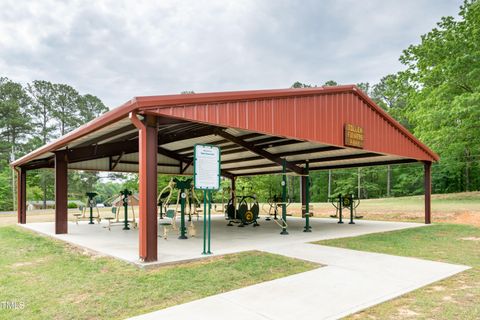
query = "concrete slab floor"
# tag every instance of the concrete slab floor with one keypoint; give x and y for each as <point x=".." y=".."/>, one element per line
<point x="123" y="244"/>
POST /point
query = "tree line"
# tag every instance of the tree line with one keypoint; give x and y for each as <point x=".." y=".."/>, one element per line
<point x="436" y="96"/>
<point x="32" y="115"/>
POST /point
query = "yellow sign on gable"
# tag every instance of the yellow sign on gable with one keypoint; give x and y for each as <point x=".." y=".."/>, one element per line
<point x="353" y="136"/>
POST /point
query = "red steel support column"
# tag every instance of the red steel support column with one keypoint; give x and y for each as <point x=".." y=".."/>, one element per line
<point x="61" y="192"/>
<point x="22" y="195"/>
<point x="303" y="194"/>
<point x="147" y="179"/>
<point x="428" y="191"/>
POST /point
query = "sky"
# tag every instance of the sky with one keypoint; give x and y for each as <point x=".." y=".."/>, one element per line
<point x="120" y="49"/>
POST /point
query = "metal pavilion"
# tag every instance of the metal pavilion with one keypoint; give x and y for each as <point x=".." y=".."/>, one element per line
<point x="259" y="132"/>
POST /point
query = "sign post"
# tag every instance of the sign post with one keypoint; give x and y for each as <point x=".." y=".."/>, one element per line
<point x="206" y="177"/>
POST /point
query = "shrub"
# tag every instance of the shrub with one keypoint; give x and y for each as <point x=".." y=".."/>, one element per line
<point x="72" y="205"/>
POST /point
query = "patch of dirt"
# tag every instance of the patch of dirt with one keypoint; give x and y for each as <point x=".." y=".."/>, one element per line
<point x="471" y="239"/>
<point x="93" y="255"/>
<point x="407" y="313"/>
<point x="468" y="218"/>
<point x="461" y="195"/>
<point x="438" y="288"/>
<point x="362" y="315"/>
<point x="464" y="287"/>
<point x="27" y="263"/>
<point x="21" y="264"/>
<point x="78" y="298"/>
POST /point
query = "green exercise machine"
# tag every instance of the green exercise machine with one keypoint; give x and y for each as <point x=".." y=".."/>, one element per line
<point x="182" y="186"/>
<point x="345" y="202"/>
<point x="91" y="204"/>
<point x="126" y="194"/>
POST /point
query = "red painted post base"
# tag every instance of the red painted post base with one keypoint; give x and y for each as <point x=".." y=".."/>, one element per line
<point x="147" y="180"/>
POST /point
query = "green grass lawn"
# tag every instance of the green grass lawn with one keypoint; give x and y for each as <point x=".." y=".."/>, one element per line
<point x="462" y="208"/>
<point x="457" y="297"/>
<point x="56" y="281"/>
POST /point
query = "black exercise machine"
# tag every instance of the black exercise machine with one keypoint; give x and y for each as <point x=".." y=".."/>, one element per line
<point x="245" y="212"/>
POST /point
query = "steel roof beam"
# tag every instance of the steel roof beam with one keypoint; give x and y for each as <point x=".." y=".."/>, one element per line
<point x="264" y="145"/>
<point x="286" y="154"/>
<point x="261" y="152"/>
<point x="225" y="150"/>
<point x="185" y="135"/>
<point x="166" y="128"/>
<point x="169" y="137"/>
<point x="221" y="141"/>
<point x="255" y="166"/>
<point x="365" y="164"/>
<point x="101" y="151"/>
<point x="40" y="164"/>
<point x="184" y="168"/>
<point x="344" y="166"/>
<point x="308" y="151"/>
<point x="341" y="157"/>
<point x="115" y="164"/>
<point x="126" y="137"/>
<point x="167" y="121"/>
<point x="107" y="135"/>
<point x="281" y="143"/>
<point x="242" y="159"/>
<point x="159" y="164"/>
<point x="325" y="159"/>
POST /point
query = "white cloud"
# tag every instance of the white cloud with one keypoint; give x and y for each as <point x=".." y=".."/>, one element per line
<point x="120" y="49"/>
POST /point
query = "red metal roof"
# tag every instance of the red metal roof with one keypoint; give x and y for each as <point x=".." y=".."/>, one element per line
<point x="308" y="114"/>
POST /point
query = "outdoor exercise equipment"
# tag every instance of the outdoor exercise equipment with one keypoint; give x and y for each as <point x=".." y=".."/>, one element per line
<point x="91" y="203"/>
<point x="193" y="204"/>
<point x="279" y="202"/>
<point x="284" y="198"/>
<point x="164" y="198"/>
<point x="274" y="204"/>
<point x="124" y="199"/>
<point x="349" y="202"/>
<point x="245" y="213"/>
<point x="166" y="221"/>
<point x="307" y="227"/>
<point x="227" y="194"/>
<point x="182" y="186"/>
<point x="186" y="198"/>
<point x="126" y="195"/>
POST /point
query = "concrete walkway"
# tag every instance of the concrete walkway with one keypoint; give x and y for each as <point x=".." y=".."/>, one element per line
<point x="350" y="281"/>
